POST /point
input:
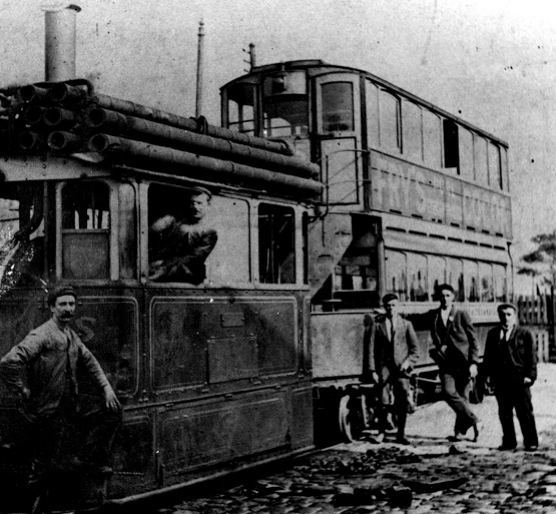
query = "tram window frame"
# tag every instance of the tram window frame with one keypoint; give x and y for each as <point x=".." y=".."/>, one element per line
<point x="396" y="272"/>
<point x="418" y="277"/>
<point x="79" y="246"/>
<point x="234" y="104"/>
<point x="128" y="220"/>
<point x="472" y="280"/>
<point x="480" y="152"/>
<point x="466" y="154"/>
<point x="494" y="165"/>
<point x="389" y="105"/>
<point x="412" y="130"/>
<point x="450" y="132"/>
<point x="273" y="252"/>
<point x="432" y="139"/>
<point x="337" y="106"/>
<point x="177" y="221"/>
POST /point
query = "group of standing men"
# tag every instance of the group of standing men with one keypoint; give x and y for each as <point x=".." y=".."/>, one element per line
<point x="509" y="364"/>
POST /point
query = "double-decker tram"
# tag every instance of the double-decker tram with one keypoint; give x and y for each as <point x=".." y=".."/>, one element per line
<point x="414" y="197"/>
<point x="209" y="356"/>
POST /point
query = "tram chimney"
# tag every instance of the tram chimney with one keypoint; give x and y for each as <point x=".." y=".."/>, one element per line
<point x="60" y="42"/>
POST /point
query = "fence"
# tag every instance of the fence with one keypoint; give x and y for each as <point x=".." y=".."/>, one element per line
<point x="537" y="313"/>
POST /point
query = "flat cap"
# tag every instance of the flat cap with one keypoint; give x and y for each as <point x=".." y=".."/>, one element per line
<point x="506" y="305"/>
<point x="57" y="292"/>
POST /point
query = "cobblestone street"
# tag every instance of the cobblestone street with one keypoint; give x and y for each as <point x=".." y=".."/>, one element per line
<point x="431" y="475"/>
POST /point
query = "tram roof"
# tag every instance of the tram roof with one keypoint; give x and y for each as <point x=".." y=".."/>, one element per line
<point x="304" y="64"/>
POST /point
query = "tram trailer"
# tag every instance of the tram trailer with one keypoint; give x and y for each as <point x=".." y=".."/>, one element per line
<point x="414" y="197"/>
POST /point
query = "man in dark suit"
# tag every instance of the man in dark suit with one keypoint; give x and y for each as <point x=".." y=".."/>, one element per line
<point x="456" y="351"/>
<point x="394" y="352"/>
<point x="511" y="365"/>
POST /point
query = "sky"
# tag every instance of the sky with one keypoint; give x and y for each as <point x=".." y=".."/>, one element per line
<point x="491" y="62"/>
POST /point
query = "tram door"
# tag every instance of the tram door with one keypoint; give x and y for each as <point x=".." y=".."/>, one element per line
<point x="338" y="127"/>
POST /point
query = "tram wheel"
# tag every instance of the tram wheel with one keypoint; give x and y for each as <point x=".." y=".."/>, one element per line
<point x="352" y="417"/>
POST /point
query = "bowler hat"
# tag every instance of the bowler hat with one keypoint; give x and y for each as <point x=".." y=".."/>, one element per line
<point x="389" y="297"/>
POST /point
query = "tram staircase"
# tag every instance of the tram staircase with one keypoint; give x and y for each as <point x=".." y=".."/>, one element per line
<point x="537" y="313"/>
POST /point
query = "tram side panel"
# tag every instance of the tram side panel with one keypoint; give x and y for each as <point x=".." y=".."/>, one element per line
<point x="225" y="385"/>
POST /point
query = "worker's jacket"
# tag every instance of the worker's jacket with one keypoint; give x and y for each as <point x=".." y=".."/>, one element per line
<point x="42" y="359"/>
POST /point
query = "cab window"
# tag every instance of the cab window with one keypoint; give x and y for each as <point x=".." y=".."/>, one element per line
<point x="276" y="244"/>
<point x="85" y="230"/>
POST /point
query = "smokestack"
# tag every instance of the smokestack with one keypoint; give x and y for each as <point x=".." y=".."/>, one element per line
<point x="200" y="64"/>
<point x="60" y="42"/>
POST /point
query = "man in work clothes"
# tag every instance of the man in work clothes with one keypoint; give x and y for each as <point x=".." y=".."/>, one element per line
<point x="511" y="364"/>
<point x="53" y="359"/>
<point x="394" y="349"/>
<point x="456" y="351"/>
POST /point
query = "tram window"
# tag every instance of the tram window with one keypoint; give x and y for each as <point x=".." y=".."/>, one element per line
<point x="181" y="237"/>
<point x="418" y="277"/>
<point x="431" y="139"/>
<point x="486" y="282"/>
<point x="337" y="106"/>
<point x="85" y="230"/>
<point x="389" y="121"/>
<point x="412" y="123"/>
<point x="396" y="274"/>
<point x="471" y="274"/>
<point x="500" y="283"/>
<point x="241" y="114"/>
<point x="229" y="262"/>
<point x="454" y="277"/>
<point x="494" y="166"/>
<point x="276" y="244"/>
<point x="372" y="112"/>
<point x="285" y="117"/>
<point x="466" y="160"/>
<point x="21" y="235"/>
<point x="481" y="165"/>
<point x="127" y="244"/>
<point x="437" y="272"/>
<point x="357" y="269"/>
<point x="451" y="145"/>
<point x="505" y="185"/>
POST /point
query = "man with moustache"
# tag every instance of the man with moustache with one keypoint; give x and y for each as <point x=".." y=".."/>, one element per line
<point x="45" y="370"/>
<point x="181" y="243"/>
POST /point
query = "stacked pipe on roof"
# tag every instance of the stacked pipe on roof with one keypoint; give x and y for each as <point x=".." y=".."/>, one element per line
<point x="68" y="117"/>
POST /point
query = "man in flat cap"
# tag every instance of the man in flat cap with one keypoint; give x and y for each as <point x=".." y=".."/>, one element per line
<point x="45" y="370"/>
<point x="510" y="363"/>
<point x="179" y="244"/>
<point x="456" y="351"/>
<point x="394" y="353"/>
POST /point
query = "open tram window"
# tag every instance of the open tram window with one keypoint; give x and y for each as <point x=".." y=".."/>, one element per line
<point x="240" y="114"/>
<point x="471" y="273"/>
<point x="396" y="274"/>
<point x="285" y="105"/>
<point x="21" y="235"/>
<point x="356" y="274"/>
<point x="276" y="244"/>
<point x="85" y="230"/>
<point x="181" y="235"/>
<point x="451" y="145"/>
<point x="500" y="283"/>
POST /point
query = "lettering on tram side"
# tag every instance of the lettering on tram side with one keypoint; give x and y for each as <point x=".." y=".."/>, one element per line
<point x="403" y="187"/>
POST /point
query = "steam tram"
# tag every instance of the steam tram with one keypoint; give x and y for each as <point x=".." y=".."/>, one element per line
<point x="414" y="197"/>
<point x="213" y="376"/>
